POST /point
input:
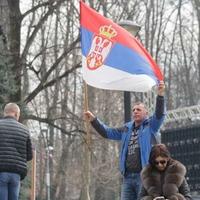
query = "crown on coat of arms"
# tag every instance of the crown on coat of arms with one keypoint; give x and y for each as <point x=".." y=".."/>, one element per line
<point x="107" y="31"/>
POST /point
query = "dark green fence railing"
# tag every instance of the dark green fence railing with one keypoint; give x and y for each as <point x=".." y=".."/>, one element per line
<point x="184" y="145"/>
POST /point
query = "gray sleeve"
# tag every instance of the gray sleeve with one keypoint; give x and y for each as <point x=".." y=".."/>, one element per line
<point x="99" y="128"/>
<point x="160" y="107"/>
<point x="29" y="149"/>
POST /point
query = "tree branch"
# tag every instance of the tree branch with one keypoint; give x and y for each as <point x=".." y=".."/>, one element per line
<point x="45" y="77"/>
<point x="50" y="122"/>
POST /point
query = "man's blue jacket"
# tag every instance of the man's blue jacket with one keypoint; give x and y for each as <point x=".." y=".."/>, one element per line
<point x="148" y="128"/>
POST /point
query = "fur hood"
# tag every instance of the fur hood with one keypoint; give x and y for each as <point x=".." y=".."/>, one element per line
<point x="166" y="183"/>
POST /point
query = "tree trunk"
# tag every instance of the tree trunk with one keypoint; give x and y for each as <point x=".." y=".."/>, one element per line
<point x="14" y="46"/>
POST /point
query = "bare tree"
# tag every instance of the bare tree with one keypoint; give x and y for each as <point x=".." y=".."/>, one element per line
<point x="43" y="42"/>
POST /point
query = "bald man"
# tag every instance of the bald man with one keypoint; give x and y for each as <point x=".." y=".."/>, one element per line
<point x="15" y="151"/>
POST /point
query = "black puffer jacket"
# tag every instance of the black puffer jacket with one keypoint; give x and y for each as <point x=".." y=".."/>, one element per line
<point x="171" y="183"/>
<point x="15" y="147"/>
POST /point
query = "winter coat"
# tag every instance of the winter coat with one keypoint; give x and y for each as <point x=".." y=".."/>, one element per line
<point x="170" y="183"/>
<point x="15" y="147"/>
<point x="148" y="130"/>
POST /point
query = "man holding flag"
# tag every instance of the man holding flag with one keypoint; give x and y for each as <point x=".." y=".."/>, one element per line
<point x="113" y="59"/>
<point x="136" y="141"/>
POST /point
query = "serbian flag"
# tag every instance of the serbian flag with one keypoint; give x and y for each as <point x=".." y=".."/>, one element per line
<point x="112" y="58"/>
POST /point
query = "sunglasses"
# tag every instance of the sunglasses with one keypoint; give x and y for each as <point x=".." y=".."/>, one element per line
<point x="162" y="162"/>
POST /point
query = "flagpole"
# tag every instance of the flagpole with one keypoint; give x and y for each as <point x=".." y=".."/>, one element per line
<point x="33" y="175"/>
<point x="87" y="146"/>
<point x="86" y="107"/>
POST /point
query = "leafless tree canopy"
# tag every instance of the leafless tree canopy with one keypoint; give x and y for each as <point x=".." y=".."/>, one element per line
<point x="43" y="42"/>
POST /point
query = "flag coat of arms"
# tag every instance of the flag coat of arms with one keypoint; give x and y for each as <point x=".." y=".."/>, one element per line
<point x="112" y="58"/>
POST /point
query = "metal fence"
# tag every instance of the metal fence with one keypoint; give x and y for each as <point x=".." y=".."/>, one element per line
<point x="184" y="145"/>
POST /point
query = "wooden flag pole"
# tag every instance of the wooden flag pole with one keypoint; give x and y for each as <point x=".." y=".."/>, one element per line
<point x="86" y="107"/>
<point x="33" y="175"/>
<point x="87" y="147"/>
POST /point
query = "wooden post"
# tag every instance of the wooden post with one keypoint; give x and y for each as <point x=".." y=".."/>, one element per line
<point x="86" y="107"/>
<point x="87" y="148"/>
<point x="33" y="175"/>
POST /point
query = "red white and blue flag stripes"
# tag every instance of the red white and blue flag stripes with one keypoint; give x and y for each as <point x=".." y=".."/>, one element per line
<point x="112" y="58"/>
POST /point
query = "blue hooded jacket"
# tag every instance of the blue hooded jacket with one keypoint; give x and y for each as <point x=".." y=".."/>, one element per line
<point x="148" y="129"/>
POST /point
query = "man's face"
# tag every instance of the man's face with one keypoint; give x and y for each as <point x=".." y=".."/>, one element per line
<point x="139" y="113"/>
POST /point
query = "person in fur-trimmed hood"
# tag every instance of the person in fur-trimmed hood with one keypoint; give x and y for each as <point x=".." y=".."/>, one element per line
<point x="164" y="178"/>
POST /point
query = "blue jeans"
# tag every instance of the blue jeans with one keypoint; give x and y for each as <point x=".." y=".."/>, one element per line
<point x="131" y="187"/>
<point x="9" y="186"/>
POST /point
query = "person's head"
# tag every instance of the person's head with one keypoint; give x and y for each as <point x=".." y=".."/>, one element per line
<point x="139" y="113"/>
<point x="12" y="110"/>
<point x="159" y="157"/>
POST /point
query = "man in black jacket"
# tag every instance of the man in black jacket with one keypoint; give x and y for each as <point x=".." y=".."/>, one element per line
<point x="15" y="151"/>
